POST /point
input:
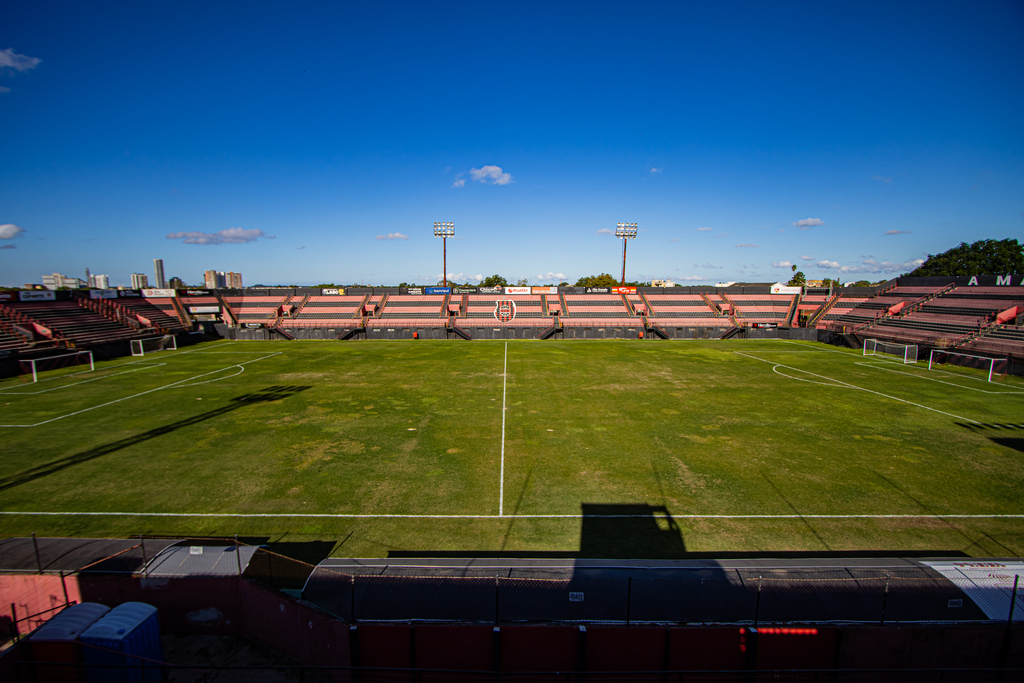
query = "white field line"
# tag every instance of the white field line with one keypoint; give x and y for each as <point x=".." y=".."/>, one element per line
<point x="327" y="515"/>
<point x="932" y="379"/>
<point x="800" y="379"/>
<point x="854" y="386"/>
<point x="150" y="391"/>
<point x="84" y="381"/>
<point x="501" y="485"/>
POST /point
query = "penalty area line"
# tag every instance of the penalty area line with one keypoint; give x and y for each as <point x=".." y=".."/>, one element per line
<point x="328" y="515"/>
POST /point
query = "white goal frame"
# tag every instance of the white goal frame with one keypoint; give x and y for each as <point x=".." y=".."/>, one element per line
<point x="873" y="347"/>
<point x="140" y="347"/>
<point x="991" y="361"/>
<point x="33" y="361"/>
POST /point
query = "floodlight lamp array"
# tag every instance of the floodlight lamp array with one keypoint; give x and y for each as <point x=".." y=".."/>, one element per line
<point x="444" y="229"/>
<point x="626" y="231"/>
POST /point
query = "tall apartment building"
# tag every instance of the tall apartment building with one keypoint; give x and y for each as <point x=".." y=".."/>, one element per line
<point x="218" y="279"/>
<point x="158" y="268"/>
<point x="175" y="283"/>
<point x="100" y="281"/>
<point x="56" y="281"/>
<point x="140" y="281"/>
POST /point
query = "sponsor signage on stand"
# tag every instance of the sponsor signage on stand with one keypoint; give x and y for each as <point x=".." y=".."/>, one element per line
<point x="38" y="296"/>
<point x="130" y="293"/>
<point x="491" y="290"/>
<point x="464" y="290"/>
<point x="764" y="326"/>
<point x="188" y="292"/>
<point x="333" y="292"/>
<point x="162" y="293"/>
<point x="204" y="309"/>
<point x="437" y="290"/>
<point x="412" y="291"/>
<point x="545" y="290"/>
<point x="598" y="290"/>
<point x="624" y="290"/>
<point x="518" y="290"/>
<point x="779" y="288"/>
<point x="8" y="296"/>
<point x="102" y="293"/>
<point x="254" y="326"/>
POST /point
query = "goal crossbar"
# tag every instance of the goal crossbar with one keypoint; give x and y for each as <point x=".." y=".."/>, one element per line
<point x="992" y="367"/>
<point x="140" y="347"/>
<point x="37" y="364"/>
<point x="908" y="352"/>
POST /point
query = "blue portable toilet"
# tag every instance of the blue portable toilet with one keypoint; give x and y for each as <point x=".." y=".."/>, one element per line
<point x="127" y="633"/>
<point x="57" y="641"/>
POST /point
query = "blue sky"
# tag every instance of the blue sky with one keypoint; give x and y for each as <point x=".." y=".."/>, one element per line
<point x="290" y="142"/>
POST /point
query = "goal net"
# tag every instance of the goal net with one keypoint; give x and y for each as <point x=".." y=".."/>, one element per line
<point x="994" y="369"/>
<point x="905" y="352"/>
<point x="140" y="347"/>
<point x="33" y="366"/>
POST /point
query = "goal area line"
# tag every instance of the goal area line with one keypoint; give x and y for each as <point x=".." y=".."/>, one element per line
<point x="329" y="515"/>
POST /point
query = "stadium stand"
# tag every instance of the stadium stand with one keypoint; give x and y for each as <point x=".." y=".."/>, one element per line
<point x="598" y="310"/>
<point x="326" y="311"/>
<point x="262" y="309"/>
<point x="529" y="311"/>
<point x="762" y="308"/>
<point x="682" y="310"/>
<point x="164" y="315"/>
<point x="78" y="324"/>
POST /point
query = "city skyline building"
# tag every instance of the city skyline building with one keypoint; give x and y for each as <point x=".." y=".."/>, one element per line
<point x="140" y="281"/>
<point x="57" y="280"/>
<point x="218" y="279"/>
<point x="158" y="270"/>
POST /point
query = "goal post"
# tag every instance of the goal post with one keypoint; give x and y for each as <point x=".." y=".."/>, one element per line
<point x="905" y="352"/>
<point x="993" y="368"/>
<point x="33" y="366"/>
<point x="140" y="347"/>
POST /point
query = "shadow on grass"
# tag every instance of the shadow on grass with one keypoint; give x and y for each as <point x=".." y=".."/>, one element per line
<point x="649" y="532"/>
<point x="274" y="393"/>
<point x="1008" y="435"/>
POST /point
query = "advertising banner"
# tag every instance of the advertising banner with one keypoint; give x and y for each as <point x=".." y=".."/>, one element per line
<point x="102" y="293"/>
<point x="129" y="293"/>
<point x="159" y="293"/>
<point x="411" y="291"/>
<point x="779" y="288"/>
<point x="545" y="290"/>
<point x="518" y="290"/>
<point x="36" y="295"/>
<point x="254" y="326"/>
<point x="490" y="290"/>
<point x="598" y="290"/>
<point x="437" y="290"/>
<point x="8" y="296"/>
<point x="204" y="309"/>
<point x="464" y="290"/>
<point x="188" y="292"/>
<point x="624" y="290"/>
<point x="764" y="326"/>
<point x="333" y="292"/>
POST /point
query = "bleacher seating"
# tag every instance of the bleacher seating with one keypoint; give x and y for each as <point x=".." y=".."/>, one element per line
<point x="1000" y="341"/>
<point x="327" y="311"/>
<point x="762" y="308"/>
<point x="164" y="304"/>
<point x="253" y="309"/>
<point x="529" y="311"/>
<point x="852" y="311"/>
<point x="683" y="310"/>
<point x="79" y="325"/>
<point x="597" y="309"/>
<point x="406" y="308"/>
<point x="149" y="309"/>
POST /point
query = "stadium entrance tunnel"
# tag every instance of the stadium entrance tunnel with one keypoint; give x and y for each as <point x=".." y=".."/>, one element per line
<point x="1008" y="435"/>
<point x="272" y="393"/>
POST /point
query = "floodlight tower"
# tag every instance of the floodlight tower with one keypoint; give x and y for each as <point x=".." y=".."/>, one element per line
<point x="625" y="231"/>
<point x="444" y="231"/>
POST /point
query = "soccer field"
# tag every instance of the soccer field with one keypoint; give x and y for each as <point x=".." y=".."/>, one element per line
<point x="595" y="448"/>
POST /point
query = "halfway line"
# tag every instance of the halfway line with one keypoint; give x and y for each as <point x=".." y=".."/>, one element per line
<point x="356" y="516"/>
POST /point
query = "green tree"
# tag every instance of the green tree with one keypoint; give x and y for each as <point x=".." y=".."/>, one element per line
<point x="494" y="281"/>
<point x="602" y="280"/>
<point x="984" y="257"/>
<point x="798" y="279"/>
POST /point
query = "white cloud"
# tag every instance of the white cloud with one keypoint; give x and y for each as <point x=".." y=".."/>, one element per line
<point x="692" y="278"/>
<point x="9" y="231"/>
<point x="746" y="246"/>
<point x="493" y="175"/>
<point x="477" y="277"/>
<point x="452" y="276"/>
<point x="12" y="60"/>
<point x="805" y="223"/>
<point x="897" y="232"/>
<point x="551" y="277"/>
<point x="655" y="170"/>
<point x="392" y="236"/>
<point x="706" y="266"/>
<point x="806" y="258"/>
<point x="3" y="90"/>
<point x="870" y="265"/>
<point x="881" y="178"/>
<point x="459" y="182"/>
<point x="225" y="236"/>
<point x="703" y="229"/>
<point x="782" y="264"/>
<point x="605" y="231"/>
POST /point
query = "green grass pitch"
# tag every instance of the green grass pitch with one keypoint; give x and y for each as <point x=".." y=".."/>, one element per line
<point x="396" y="448"/>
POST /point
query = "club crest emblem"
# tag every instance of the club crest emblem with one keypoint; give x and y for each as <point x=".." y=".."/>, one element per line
<point x="504" y="310"/>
